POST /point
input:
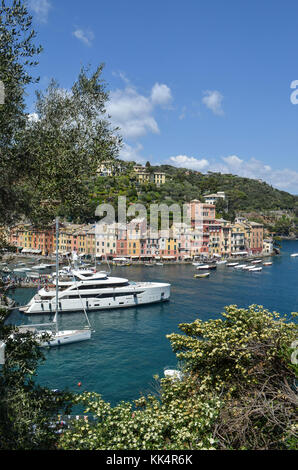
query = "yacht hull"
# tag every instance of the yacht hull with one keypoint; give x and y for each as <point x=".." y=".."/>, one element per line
<point x="157" y="292"/>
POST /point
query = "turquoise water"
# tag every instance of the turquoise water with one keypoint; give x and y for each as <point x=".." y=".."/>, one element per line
<point x="129" y="346"/>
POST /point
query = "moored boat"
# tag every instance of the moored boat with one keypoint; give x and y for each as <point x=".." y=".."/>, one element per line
<point x="202" y="275"/>
<point x="86" y="289"/>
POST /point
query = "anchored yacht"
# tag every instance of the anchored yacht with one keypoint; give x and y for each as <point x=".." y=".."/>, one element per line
<point x="80" y="289"/>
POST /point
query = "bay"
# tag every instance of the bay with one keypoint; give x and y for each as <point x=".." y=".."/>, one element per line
<point x="129" y="346"/>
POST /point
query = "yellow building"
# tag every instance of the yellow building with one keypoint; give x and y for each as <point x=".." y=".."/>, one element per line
<point x="143" y="177"/>
<point x="159" y="178"/>
<point x="133" y="248"/>
<point x="225" y="237"/>
<point x="215" y="238"/>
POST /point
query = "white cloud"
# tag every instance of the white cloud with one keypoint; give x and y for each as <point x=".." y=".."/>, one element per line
<point x="133" y="112"/>
<point x="161" y="95"/>
<point x="213" y="101"/>
<point x="131" y="153"/>
<point x="86" y="36"/>
<point x="183" y="161"/>
<point x="284" y="179"/>
<point x="41" y="8"/>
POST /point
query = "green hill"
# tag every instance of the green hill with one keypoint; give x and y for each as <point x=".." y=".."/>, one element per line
<point x="183" y="185"/>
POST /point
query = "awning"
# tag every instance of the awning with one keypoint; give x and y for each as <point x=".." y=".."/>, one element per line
<point x="169" y="257"/>
<point x="119" y="259"/>
<point x="240" y="253"/>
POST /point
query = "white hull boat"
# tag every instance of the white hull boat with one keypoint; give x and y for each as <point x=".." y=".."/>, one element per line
<point x="57" y="337"/>
<point x="96" y="291"/>
<point x="66" y="337"/>
<point x="294" y="255"/>
<point x="255" y="269"/>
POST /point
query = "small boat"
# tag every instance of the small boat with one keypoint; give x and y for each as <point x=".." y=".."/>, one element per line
<point x="294" y="255"/>
<point x="202" y="275"/>
<point x="232" y="264"/>
<point x="240" y="266"/>
<point x="197" y="264"/>
<point x="224" y="261"/>
<point x="256" y="261"/>
<point x="149" y="264"/>
<point x="206" y="266"/>
<point x="268" y="263"/>
<point x="159" y="264"/>
<point x="248" y="267"/>
<point x="255" y="269"/>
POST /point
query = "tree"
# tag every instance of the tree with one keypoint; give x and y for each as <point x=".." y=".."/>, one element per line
<point x="18" y="56"/>
<point x="245" y="359"/>
<point x="28" y="413"/>
<point x="66" y="143"/>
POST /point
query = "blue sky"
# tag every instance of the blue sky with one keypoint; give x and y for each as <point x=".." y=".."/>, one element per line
<point x="202" y="84"/>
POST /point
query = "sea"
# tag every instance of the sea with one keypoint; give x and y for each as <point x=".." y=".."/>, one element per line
<point x="129" y="346"/>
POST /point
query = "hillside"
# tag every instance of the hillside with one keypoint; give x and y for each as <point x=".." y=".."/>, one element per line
<point x="183" y="185"/>
<point x="242" y="193"/>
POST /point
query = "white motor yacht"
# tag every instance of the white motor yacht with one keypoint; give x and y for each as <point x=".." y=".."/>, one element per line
<point x="85" y="289"/>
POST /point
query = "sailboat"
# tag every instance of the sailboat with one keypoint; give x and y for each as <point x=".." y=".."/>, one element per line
<point x="58" y="337"/>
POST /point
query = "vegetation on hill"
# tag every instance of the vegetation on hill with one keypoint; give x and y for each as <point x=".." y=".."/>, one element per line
<point x="182" y="185"/>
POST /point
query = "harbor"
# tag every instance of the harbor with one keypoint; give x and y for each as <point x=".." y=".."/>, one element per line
<point x="129" y="346"/>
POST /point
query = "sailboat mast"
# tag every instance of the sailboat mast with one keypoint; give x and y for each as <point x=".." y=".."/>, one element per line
<point x="57" y="271"/>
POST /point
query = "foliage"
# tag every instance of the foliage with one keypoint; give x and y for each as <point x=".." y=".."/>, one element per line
<point x="237" y="392"/>
<point x="66" y="143"/>
<point x="245" y="358"/>
<point x="178" y="420"/>
<point x="18" y="57"/>
<point x="27" y="411"/>
<point x="242" y="194"/>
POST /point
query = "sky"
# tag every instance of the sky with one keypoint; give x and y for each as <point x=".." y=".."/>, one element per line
<point x="208" y="85"/>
